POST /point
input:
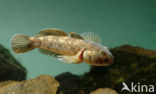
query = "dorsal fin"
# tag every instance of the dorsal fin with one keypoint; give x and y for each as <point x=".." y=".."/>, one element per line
<point x="75" y="35"/>
<point x="47" y="52"/>
<point x="56" y="32"/>
<point x="91" y="37"/>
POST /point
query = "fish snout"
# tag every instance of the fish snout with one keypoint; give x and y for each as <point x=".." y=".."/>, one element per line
<point x="110" y="59"/>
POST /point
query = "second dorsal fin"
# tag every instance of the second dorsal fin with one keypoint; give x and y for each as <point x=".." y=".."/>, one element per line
<point x="53" y="31"/>
<point x="75" y="35"/>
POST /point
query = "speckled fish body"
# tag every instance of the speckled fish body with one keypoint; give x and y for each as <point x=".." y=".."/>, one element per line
<point x="62" y="45"/>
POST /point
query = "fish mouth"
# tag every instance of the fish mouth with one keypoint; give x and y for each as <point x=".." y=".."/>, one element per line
<point x="110" y="61"/>
<point x="106" y="63"/>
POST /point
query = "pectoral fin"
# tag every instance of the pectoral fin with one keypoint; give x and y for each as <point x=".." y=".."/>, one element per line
<point x="56" y="32"/>
<point x="78" y="58"/>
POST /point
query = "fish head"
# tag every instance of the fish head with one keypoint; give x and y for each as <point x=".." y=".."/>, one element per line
<point x="103" y="57"/>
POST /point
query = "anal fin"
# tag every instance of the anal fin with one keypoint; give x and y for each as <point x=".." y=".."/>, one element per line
<point x="47" y="52"/>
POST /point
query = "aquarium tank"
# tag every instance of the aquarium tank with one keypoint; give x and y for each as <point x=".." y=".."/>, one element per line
<point x="77" y="47"/>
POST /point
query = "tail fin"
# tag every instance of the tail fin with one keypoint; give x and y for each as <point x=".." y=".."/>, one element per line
<point x="21" y="44"/>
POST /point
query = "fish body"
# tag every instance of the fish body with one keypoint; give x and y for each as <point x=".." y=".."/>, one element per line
<point x="69" y="49"/>
<point x="63" y="45"/>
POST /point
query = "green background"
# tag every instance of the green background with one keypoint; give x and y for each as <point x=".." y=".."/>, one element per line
<point x="116" y="21"/>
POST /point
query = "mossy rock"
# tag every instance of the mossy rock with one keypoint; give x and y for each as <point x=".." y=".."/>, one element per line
<point x="10" y="68"/>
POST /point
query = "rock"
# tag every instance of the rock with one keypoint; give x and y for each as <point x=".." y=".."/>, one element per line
<point x="69" y="84"/>
<point x="104" y="91"/>
<point x="10" y="68"/>
<point x="2" y="84"/>
<point x="43" y="84"/>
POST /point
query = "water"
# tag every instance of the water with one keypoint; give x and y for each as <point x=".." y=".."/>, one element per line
<point x="116" y="21"/>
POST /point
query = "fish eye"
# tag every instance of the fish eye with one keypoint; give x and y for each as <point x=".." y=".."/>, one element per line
<point x="106" y="48"/>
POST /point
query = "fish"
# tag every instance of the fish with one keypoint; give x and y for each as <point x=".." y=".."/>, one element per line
<point x="68" y="48"/>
